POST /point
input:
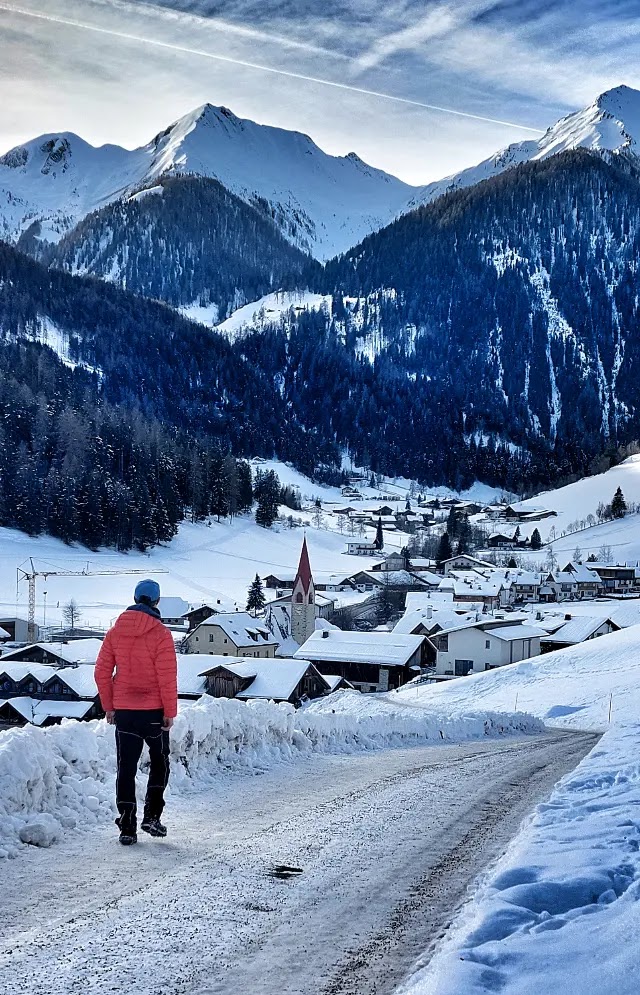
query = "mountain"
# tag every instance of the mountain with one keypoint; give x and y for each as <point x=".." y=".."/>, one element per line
<point x="517" y="298"/>
<point x="322" y="204"/>
<point x="186" y="241"/>
<point x="609" y="127"/>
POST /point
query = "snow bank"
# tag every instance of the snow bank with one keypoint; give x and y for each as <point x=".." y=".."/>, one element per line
<point x="560" y="912"/>
<point x="62" y="778"/>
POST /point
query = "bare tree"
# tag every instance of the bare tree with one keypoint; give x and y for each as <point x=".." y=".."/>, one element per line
<point x="71" y="614"/>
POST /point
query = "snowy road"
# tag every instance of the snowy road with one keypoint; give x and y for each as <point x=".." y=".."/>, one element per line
<point x="387" y="843"/>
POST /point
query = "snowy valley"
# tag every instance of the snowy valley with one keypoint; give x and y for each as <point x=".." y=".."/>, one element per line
<point x="378" y="445"/>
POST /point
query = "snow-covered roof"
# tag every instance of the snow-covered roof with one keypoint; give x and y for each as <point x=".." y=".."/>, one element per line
<point x="273" y="679"/>
<point x="430" y="619"/>
<point x="582" y="573"/>
<point x="240" y="627"/>
<point x="626" y="615"/>
<point x="386" y="648"/>
<point x="76" y="651"/>
<point x="36" y="711"/>
<point x="80" y="679"/>
<point x="173" y="607"/>
<point x="190" y="667"/>
<point x="576" y="630"/>
<point x="512" y="632"/>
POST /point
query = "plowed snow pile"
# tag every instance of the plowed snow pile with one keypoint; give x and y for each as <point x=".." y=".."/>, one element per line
<point x="561" y="911"/>
<point x="62" y="778"/>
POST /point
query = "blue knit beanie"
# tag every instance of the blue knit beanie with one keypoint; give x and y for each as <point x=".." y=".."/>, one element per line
<point x="149" y="589"/>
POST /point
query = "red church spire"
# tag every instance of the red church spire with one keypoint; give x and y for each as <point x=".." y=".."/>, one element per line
<point x="304" y="569"/>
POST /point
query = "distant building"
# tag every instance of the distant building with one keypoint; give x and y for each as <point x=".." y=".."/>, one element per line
<point x="578" y="630"/>
<point x="293" y="681"/>
<point x="362" y="548"/>
<point x="58" y="654"/>
<point x="473" y="647"/>
<point x="375" y="661"/>
<point x="237" y="634"/>
<point x="18" y="629"/>
<point x="44" y="695"/>
<point x="173" y="610"/>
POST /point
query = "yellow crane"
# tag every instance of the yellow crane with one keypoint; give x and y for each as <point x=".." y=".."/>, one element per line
<point x="32" y="574"/>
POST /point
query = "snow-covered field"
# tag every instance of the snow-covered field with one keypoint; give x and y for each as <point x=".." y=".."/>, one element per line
<point x="578" y="500"/>
<point x="571" y="688"/>
<point x="61" y="778"/>
<point x="561" y="911"/>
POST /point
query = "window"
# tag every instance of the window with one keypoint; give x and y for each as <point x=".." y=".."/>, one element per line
<point x="443" y="643"/>
<point x="211" y="637"/>
<point x="463" y="667"/>
<point x="298" y="599"/>
<point x="487" y="644"/>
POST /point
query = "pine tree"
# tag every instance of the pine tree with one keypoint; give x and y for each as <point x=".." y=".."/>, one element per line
<point x="618" y="504"/>
<point x="255" y="598"/>
<point x="464" y="534"/>
<point x="536" y="540"/>
<point x="445" y="551"/>
<point x="267" y="489"/>
<point x="379" y="539"/>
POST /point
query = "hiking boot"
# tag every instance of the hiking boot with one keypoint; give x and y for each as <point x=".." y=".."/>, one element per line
<point x="154" y="827"/>
<point x="128" y="838"/>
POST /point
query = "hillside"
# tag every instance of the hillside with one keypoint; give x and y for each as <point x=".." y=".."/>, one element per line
<point x="569" y="688"/>
<point x="517" y="297"/>
<point x="183" y="241"/>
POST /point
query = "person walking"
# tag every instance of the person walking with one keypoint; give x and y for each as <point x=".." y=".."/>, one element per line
<point x="136" y="674"/>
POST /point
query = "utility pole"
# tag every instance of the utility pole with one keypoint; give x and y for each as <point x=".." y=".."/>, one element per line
<point x="32" y="574"/>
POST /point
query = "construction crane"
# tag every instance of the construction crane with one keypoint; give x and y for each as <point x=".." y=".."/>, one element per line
<point x="32" y="574"/>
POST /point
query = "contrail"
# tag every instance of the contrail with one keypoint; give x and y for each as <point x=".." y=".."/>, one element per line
<point x="201" y="53"/>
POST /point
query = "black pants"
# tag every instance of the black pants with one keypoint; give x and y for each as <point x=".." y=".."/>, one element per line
<point x="134" y="728"/>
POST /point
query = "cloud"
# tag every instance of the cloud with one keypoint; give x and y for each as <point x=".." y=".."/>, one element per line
<point x="248" y="64"/>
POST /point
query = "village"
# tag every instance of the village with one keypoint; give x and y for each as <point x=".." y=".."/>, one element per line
<point x="417" y="611"/>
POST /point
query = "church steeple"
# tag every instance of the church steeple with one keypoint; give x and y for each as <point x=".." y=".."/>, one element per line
<point x="303" y="600"/>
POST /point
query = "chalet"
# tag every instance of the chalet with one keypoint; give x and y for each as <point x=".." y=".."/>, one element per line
<point x="216" y="606"/>
<point x="71" y="654"/>
<point x="394" y="561"/>
<point x="587" y="582"/>
<point x="367" y="580"/>
<point x="526" y="586"/>
<point x="516" y="513"/>
<point x="235" y="634"/>
<point x="43" y="695"/>
<point x="361" y="548"/>
<point x="617" y="578"/>
<point x="470" y="587"/>
<point x="293" y="681"/>
<point x="505" y="539"/>
<point x="351" y="492"/>
<point x="379" y="661"/>
<point x="284" y="581"/>
<point x="464" y="561"/>
<point x="473" y="647"/>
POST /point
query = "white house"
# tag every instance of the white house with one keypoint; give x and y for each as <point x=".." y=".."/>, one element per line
<point x="361" y="548"/>
<point x="237" y="634"/>
<point x="173" y="610"/>
<point x="464" y="561"/>
<point x="473" y="647"/>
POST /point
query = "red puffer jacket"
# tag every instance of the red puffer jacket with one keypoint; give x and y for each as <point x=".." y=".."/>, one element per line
<point x="141" y="652"/>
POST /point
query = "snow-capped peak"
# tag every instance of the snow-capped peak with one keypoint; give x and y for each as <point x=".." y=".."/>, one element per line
<point x="322" y="203"/>
<point x="609" y="126"/>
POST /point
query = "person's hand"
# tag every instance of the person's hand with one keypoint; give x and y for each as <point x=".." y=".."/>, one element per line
<point x="110" y="717"/>
<point x="167" y="723"/>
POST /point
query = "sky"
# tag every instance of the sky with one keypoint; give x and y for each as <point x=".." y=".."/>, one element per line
<point x="420" y="88"/>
